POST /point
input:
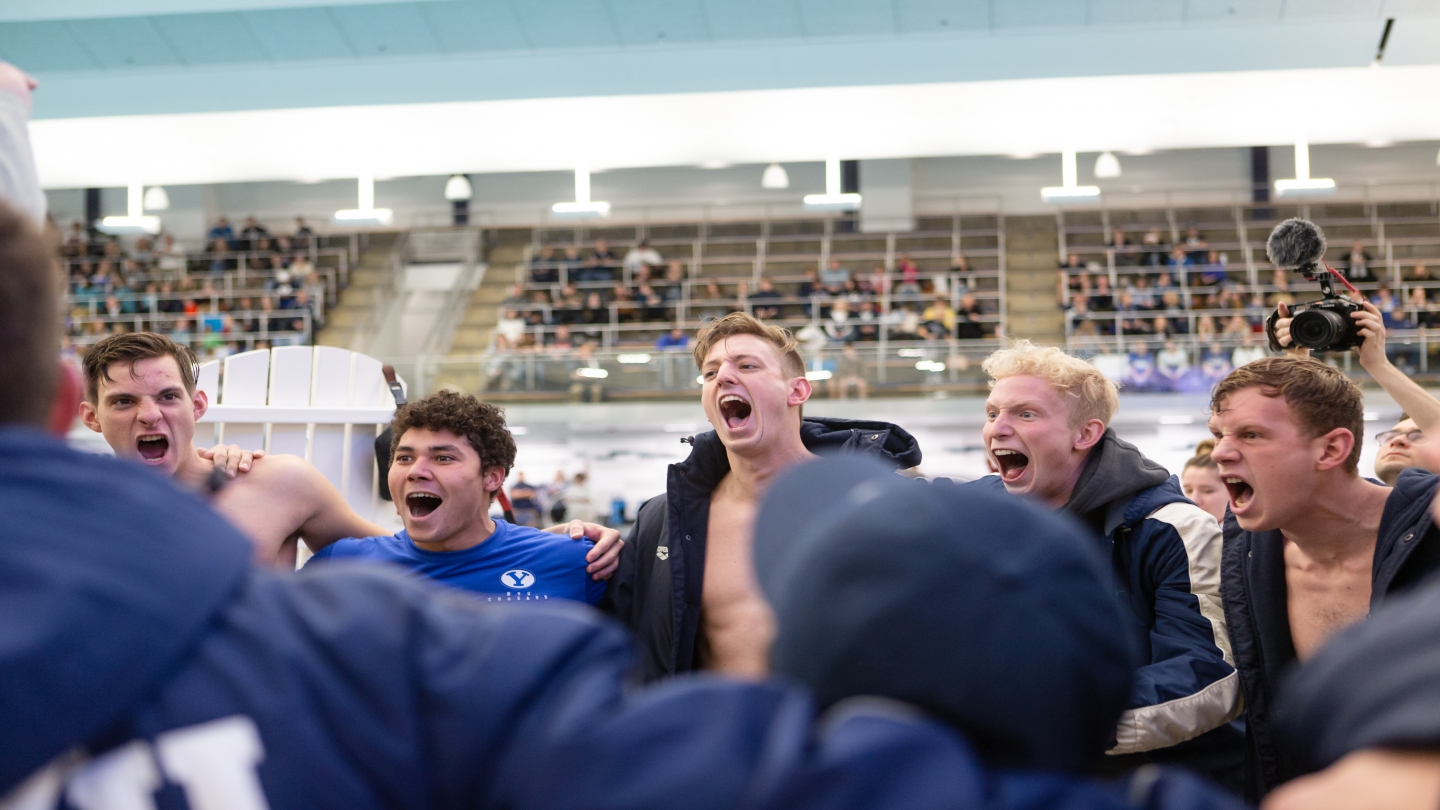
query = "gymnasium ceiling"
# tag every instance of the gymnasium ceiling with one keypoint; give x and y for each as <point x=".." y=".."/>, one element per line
<point x="380" y="74"/>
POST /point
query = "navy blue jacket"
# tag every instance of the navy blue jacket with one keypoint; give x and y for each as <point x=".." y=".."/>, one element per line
<point x="1407" y="550"/>
<point x="657" y="590"/>
<point x="141" y="653"/>
<point x="1165" y="553"/>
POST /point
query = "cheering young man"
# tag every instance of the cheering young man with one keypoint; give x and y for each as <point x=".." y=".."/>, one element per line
<point x="691" y="546"/>
<point x="1047" y="431"/>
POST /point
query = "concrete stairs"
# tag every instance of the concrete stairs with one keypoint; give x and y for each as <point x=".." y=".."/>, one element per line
<point x="504" y="250"/>
<point x="357" y="301"/>
<point x="1032" y="247"/>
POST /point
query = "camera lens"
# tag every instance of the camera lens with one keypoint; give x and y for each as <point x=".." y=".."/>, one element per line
<point x="1317" y="328"/>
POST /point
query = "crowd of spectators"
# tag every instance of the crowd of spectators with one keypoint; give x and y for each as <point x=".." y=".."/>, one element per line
<point x="1189" y="296"/>
<point x="250" y="290"/>
<point x="575" y="296"/>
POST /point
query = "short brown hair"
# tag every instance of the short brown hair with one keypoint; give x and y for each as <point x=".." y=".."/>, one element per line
<point x="1321" y="396"/>
<point x="30" y="320"/>
<point x="739" y="323"/>
<point x="131" y="348"/>
<point x="482" y="425"/>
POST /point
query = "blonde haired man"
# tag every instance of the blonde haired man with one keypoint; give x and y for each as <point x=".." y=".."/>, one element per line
<point x="686" y="584"/>
<point x="1047" y="432"/>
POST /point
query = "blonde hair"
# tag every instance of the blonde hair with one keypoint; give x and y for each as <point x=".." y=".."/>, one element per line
<point x="1095" y="397"/>
<point x="1202" y="457"/>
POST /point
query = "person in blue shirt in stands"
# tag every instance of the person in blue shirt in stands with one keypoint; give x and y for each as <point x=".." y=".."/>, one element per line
<point x="450" y="456"/>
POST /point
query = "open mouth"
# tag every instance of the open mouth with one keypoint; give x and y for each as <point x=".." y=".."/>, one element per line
<point x="421" y="504"/>
<point x="1240" y="492"/>
<point x="152" y="448"/>
<point x="734" y="411"/>
<point x="1012" y="464"/>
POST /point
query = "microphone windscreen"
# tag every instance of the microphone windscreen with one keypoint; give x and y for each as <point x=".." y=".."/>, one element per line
<point x="1295" y="242"/>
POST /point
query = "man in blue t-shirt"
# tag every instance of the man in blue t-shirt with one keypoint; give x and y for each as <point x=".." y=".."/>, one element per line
<point x="450" y="456"/>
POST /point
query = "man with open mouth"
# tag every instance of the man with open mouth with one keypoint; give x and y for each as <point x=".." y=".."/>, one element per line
<point x="1047" y="432"/>
<point x="1311" y="547"/>
<point x="687" y="585"/>
<point x="449" y="456"/>
<point x="141" y="394"/>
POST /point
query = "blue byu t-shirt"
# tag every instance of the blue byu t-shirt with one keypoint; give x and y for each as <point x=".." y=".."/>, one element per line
<point x="515" y="564"/>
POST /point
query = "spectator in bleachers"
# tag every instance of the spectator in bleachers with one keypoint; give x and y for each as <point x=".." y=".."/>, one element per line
<point x="1247" y="351"/>
<point x="652" y="303"/>
<point x="904" y="322"/>
<point x="560" y="339"/>
<point x="220" y="258"/>
<point x="1215" y="364"/>
<point x="220" y="230"/>
<point x="544" y="269"/>
<point x="594" y="312"/>
<point x="909" y="276"/>
<point x="968" y="323"/>
<point x="1161" y="327"/>
<point x="642" y="255"/>
<point x="937" y="322"/>
<point x="170" y="256"/>
<point x="1205" y="329"/>
<point x="878" y="282"/>
<point x="1125" y="305"/>
<point x="1196" y="248"/>
<point x="1101" y="299"/>
<point x="867" y="322"/>
<point x="571" y="262"/>
<point x="1357" y="263"/>
<point x="624" y="301"/>
<point x="567" y="309"/>
<point x="1072" y="265"/>
<point x="1140" y="367"/>
<point x="676" y="338"/>
<point x="1174" y="310"/>
<point x="303" y="235"/>
<point x="515" y="297"/>
<point x="809" y="289"/>
<point x="591" y="270"/>
<point x="1172" y="363"/>
<point x="1180" y="262"/>
<point x="1143" y="293"/>
<point x="834" y="277"/>
<point x="1418" y="273"/>
<point x="849" y="373"/>
<point x="1212" y="270"/>
<point x="510" y="326"/>
<point x="77" y="241"/>
<point x="762" y="297"/>
<point x="1152" y="249"/>
<point x="1123" y="249"/>
<point x="674" y="288"/>
<point x="1079" y="311"/>
<point x="838" y="326"/>
<point x="1390" y="312"/>
<point x="712" y="304"/>
<point x="1419" y="304"/>
<point x="1166" y="282"/>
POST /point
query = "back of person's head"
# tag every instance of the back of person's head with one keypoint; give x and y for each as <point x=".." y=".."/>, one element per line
<point x="1320" y="396"/>
<point x="1202" y="457"/>
<point x="130" y="348"/>
<point x="985" y="611"/>
<point x="479" y="423"/>
<point x="30" y="322"/>
<point x="740" y="323"/>
<point x="1091" y="394"/>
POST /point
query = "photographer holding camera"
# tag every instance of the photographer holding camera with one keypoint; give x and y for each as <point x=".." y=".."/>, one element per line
<point x="1310" y="546"/>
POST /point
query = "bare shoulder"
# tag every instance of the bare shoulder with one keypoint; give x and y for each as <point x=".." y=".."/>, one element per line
<point x="280" y="473"/>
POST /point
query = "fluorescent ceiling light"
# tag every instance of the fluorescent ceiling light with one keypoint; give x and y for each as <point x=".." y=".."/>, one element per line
<point x="156" y="199"/>
<point x="1302" y="184"/>
<point x="134" y="221"/>
<point x="592" y="373"/>
<point x="833" y="199"/>
<point x="1068" y="191"/>
<point x="633" y="359"/>
<point x="1107" y="165"/>
<point x="583" y="207"/>
<point x="366" y="214"/>
<point x="816" y="376"/>
<point x="458" y="188"/>
<point x="775" y="176"/>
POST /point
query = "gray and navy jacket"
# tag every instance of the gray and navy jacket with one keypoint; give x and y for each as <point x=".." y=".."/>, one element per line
<point x="1407" y="550"/>
<point x="1165" y="552"/>
<point x="657" y="590"/>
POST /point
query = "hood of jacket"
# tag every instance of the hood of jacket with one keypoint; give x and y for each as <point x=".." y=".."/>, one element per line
<point x="1114" y="473"/>
<point x="108" y="575"/>
<point x="891" y="444"/>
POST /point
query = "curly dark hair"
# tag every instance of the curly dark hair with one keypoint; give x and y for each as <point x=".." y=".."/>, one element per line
<point x="481" y="424"/>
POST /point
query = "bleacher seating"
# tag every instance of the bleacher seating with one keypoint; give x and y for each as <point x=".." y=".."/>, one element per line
<point x="240" y="295"/>
<point x="1223" y="286"/>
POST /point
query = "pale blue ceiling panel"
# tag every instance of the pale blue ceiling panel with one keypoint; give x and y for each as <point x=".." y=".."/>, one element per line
<point x="42" y="46"/>
<point x="847" y="18"/>
<point x="1309" y="9"/>
<point x="475" y="25"/>
<point x="567" y="23"/>
<point x="124" y="42"/>
<point x="753" y="19"/>
<point x="388" y="29"/>
<point x="1038" y="13"/>
<point x="648" y="22"/>
<point x="299" y="34"/>
<point x="211" y="39"/>
<point x="1240" y="11"/>
<point x="941" y="16"/>
<point x="1135" y="12"/>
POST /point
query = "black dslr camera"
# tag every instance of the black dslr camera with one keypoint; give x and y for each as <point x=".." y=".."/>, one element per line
<point x="1324" y="325"/>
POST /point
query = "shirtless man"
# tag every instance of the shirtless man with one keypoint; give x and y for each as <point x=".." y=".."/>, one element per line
<point x="692" y="546"/>
<point x="1310" y="546"/>
<point x="141" y="394"/>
